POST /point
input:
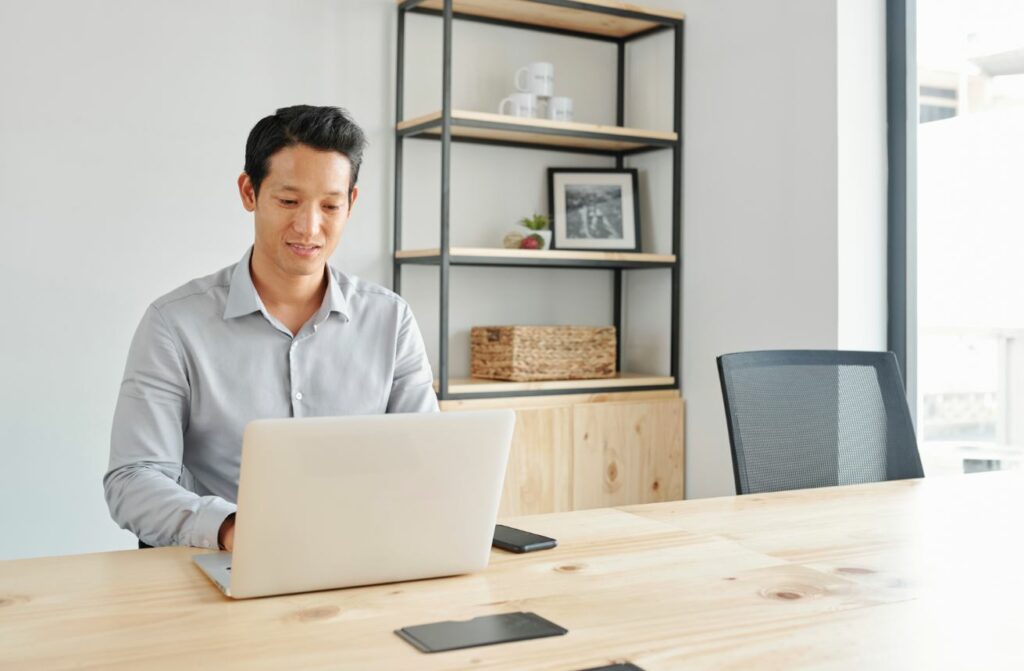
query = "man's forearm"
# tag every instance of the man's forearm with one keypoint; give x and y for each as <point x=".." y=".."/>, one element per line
<point x="144" y="499"/>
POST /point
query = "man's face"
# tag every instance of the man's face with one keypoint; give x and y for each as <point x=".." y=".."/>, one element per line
<point x="301" y="210"/>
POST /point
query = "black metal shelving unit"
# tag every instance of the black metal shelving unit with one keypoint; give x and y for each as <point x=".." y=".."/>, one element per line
<point x="450" y="125"/>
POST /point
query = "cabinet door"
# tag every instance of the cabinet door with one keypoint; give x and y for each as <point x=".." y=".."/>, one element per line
<point x="626" y="453"/>
<point x="538" y="478"/>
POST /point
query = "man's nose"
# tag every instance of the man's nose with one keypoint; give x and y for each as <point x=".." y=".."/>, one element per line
<point x="308" y="220"/>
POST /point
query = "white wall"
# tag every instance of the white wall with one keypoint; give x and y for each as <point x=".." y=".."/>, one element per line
<point x="862" y="161"/>
<point x="123" y="128"/>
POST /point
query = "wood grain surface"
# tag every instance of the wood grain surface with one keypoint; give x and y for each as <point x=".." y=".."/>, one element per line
<point x="539" y="254"/>
<point x="919" y="574"/>
<point x="625" y="380"/>
<point x="561" y="17"/>
<point x="538" y="478"/>
<point x="557" y="400"/>
<point x="627" y="452"/>
<point x="574" y="452"/>
<point x="525" y="129"/>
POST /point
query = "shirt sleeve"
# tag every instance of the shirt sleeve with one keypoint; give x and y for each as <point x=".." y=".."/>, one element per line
<point x="412" y="389"/>
<point x="146" y="446"/>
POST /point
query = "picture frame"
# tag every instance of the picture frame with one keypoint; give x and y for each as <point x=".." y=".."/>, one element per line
<point x="594" y="209"/>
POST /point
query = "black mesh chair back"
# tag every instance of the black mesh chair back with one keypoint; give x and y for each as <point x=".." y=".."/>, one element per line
<point x="816" y="418"/>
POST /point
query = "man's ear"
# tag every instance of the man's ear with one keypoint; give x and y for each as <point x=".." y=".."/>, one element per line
<point x="352" y="198"/>
<point x="247" y="192"/>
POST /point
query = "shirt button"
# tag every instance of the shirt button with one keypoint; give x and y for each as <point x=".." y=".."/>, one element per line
<point x="298" y="396"/>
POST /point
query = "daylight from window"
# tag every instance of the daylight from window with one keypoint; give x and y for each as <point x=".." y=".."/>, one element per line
<point x="970" y="234"/>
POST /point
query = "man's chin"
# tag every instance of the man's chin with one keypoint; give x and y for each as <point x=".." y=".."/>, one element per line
<point x="292" y="265"/>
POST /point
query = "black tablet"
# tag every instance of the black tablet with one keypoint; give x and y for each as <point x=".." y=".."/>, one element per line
<point x="483" y="630"/>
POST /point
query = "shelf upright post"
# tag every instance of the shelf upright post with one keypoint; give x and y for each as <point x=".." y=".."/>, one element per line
<point x="446" y="148"/>
<point x="396" y="267"/>
<point x="620" y="121"/>
<point x="620" y="100"/>
<point x="677" y="199"/>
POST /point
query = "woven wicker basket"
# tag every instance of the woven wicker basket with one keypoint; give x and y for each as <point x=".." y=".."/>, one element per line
<point x="524" y="353"/>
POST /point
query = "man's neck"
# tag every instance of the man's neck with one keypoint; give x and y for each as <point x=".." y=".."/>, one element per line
<point x="292" y="299"/>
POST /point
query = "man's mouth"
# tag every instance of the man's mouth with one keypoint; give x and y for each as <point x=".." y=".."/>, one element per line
<point x="303" y="250"/>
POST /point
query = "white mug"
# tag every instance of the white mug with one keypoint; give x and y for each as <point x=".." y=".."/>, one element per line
<point x="560" y="108"/>
<point x="522" y="104"/>
<point x="536" y="78"/>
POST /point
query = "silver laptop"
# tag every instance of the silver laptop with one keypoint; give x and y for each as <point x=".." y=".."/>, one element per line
<point x="335" y="502"/>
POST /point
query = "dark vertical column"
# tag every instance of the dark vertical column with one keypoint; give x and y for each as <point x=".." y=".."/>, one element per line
<point x="677" y="201"/>
<point x="617" y="278"/>
<point x="902" y="116"/>
<point x="617" y="315"/>
<point x="620" y="100"/>
<point x="396" y="268"/>
<point x="446" y="149"/>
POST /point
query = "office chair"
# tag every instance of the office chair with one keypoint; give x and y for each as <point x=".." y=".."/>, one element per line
<point x="816" y="418"/>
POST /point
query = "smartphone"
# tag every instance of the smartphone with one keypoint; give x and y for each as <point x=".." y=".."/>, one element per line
<point x="517" y="540"/>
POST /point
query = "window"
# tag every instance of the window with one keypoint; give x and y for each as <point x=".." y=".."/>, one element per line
<point x="970" y="234"/>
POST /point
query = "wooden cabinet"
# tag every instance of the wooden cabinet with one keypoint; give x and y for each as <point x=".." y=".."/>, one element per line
<point x="590" y="450"/>
<point x="540" y="462"/>
<point x="627" y="452"/>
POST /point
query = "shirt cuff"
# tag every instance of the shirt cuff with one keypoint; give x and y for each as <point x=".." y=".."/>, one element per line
<point x="211" y="515"/>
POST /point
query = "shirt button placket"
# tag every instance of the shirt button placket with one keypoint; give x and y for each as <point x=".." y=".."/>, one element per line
<point x="295" y="394"/>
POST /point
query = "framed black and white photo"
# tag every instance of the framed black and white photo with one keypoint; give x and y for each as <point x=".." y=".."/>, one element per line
<point x="594" y="209"/>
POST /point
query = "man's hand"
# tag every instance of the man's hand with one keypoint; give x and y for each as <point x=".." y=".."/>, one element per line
<point x="226" y="535"/>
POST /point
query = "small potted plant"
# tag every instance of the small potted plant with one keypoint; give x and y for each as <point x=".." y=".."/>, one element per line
<point x="530" y="233"/>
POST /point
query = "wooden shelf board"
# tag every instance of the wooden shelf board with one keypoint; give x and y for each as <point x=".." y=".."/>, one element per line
<point x="524" y="130"/>
<point x="542" y="257"/>
<point x="469" y="385"/>
<point x="564" y="18"/>
<point x="568" y="398"/>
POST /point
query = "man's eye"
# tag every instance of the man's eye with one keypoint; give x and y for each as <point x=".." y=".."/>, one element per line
<point x="288" y="202"/>
<point x="332" y="208"/>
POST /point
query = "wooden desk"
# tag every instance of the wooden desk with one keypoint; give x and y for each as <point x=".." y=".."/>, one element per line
<point x="909" y="575"/>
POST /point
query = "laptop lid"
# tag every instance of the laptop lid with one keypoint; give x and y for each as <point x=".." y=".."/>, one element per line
<point x="334" y="502"/>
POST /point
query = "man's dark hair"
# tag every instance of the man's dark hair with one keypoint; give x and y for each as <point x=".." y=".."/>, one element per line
<point x="323" y="128"/>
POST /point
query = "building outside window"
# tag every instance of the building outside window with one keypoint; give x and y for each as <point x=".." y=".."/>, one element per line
<point x="970" y="234"/>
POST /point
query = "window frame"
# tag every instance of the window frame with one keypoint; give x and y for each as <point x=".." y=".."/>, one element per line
<point x="901" y="101"/>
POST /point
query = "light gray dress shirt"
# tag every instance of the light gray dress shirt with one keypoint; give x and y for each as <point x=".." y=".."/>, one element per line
<point x="207" y="358"/>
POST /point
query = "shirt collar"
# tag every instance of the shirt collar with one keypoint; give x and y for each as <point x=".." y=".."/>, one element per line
<point x="243" y="298"/>
<point x="334" y="298"/>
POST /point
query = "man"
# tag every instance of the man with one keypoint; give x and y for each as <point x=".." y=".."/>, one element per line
<point x="279" y="334"/>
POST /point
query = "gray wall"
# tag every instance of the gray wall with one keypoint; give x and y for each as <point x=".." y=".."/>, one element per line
<point x="760" y="235"/>
<point x="784" y="242"/>
<point x="123" y="126"/>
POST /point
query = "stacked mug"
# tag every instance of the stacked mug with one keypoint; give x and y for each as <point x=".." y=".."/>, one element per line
<point x="535" y="83"/>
